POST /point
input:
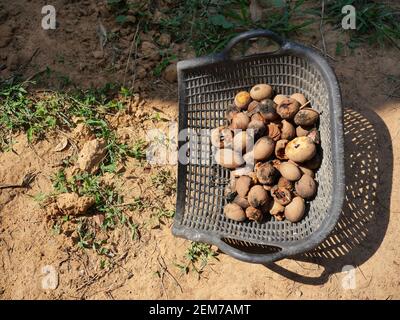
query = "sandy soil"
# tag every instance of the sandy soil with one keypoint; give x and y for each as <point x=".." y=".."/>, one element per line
<point x="366" y="236"/>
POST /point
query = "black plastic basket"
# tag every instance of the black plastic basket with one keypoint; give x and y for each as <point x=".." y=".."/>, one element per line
<point x="207" y="85"/>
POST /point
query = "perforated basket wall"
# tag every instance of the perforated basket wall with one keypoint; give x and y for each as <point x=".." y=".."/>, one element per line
<point x="206" y="87"/>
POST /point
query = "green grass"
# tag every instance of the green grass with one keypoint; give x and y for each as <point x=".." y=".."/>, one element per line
<point x="38" y="114"/>
<point x="19" y="111"/>
<point x="107" y="202"/>
<point x="376" y="23"/>
<point x="138" y="150"/>
<point x="163" y="215"/>
<point x="138" y="204"/>
<point x="197" y="256"/>
<point x="208" y="25"/>
<point x="159" y="216"/>
<point x="50" y="77"/>
<point x="166" y="59"/>
<point x="106" y="197"/>
<point x="164" y="181"/>
<point x="128" y="12"/>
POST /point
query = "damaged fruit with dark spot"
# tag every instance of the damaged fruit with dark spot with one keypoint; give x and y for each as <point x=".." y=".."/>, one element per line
<point x="267" y="109"/>
<point x="281" y="195"/>
<point x="288" y="108"/>
<point x="266" y="173"/>
<point x="257" y="196"/>
<point x="306" y="117"/>
<point x="300" y="149"/>
<point x="254" y="214"/>
<point x="261" y="91"/>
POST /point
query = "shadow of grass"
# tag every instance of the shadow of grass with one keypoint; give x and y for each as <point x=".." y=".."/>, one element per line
<point x="365" y="213"/>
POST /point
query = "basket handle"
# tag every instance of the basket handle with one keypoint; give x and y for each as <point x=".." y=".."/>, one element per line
<point x="251" y="257"/>
<point x="257" y="33"/>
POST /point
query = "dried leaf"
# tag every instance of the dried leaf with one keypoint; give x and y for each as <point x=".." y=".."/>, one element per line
<point x="98" y="219"/>
<point x="61" y="145"/>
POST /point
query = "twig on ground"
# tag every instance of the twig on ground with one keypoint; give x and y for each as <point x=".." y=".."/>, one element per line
<point x="161" y="274"/>
<point x="129" y="55"/>
<point x="22" y="67"/>
<point x="164" y="267"/>
<point x="328" y="55"/>
<point x="361" y="272"/>
<point x="392" y="93"/>
<point x="310" y="269"/>
<point x="34" y="75"/>
<point x="93" y="278"/>
<point x="26" y="182"/>
<point x="321" y="27"/>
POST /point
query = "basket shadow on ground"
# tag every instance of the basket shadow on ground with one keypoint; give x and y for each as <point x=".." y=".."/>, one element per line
<point x="365" y="213"/>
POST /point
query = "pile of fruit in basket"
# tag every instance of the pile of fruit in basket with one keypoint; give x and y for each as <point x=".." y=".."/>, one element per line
<point x="271" y="146"/>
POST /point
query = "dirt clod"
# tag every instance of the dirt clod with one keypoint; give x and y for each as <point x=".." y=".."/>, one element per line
<point x="165" y="40"/>
<point x="140" y="72"/>
<point x="170" y="73"/>
<point x="150" y="51"/>
<point x="73" y="204"/>
<point x="91" y="155"/>
<point x="81" y="132"/>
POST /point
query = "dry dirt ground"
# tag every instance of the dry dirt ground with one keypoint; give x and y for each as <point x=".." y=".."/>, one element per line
<point x="366" y="236"/>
